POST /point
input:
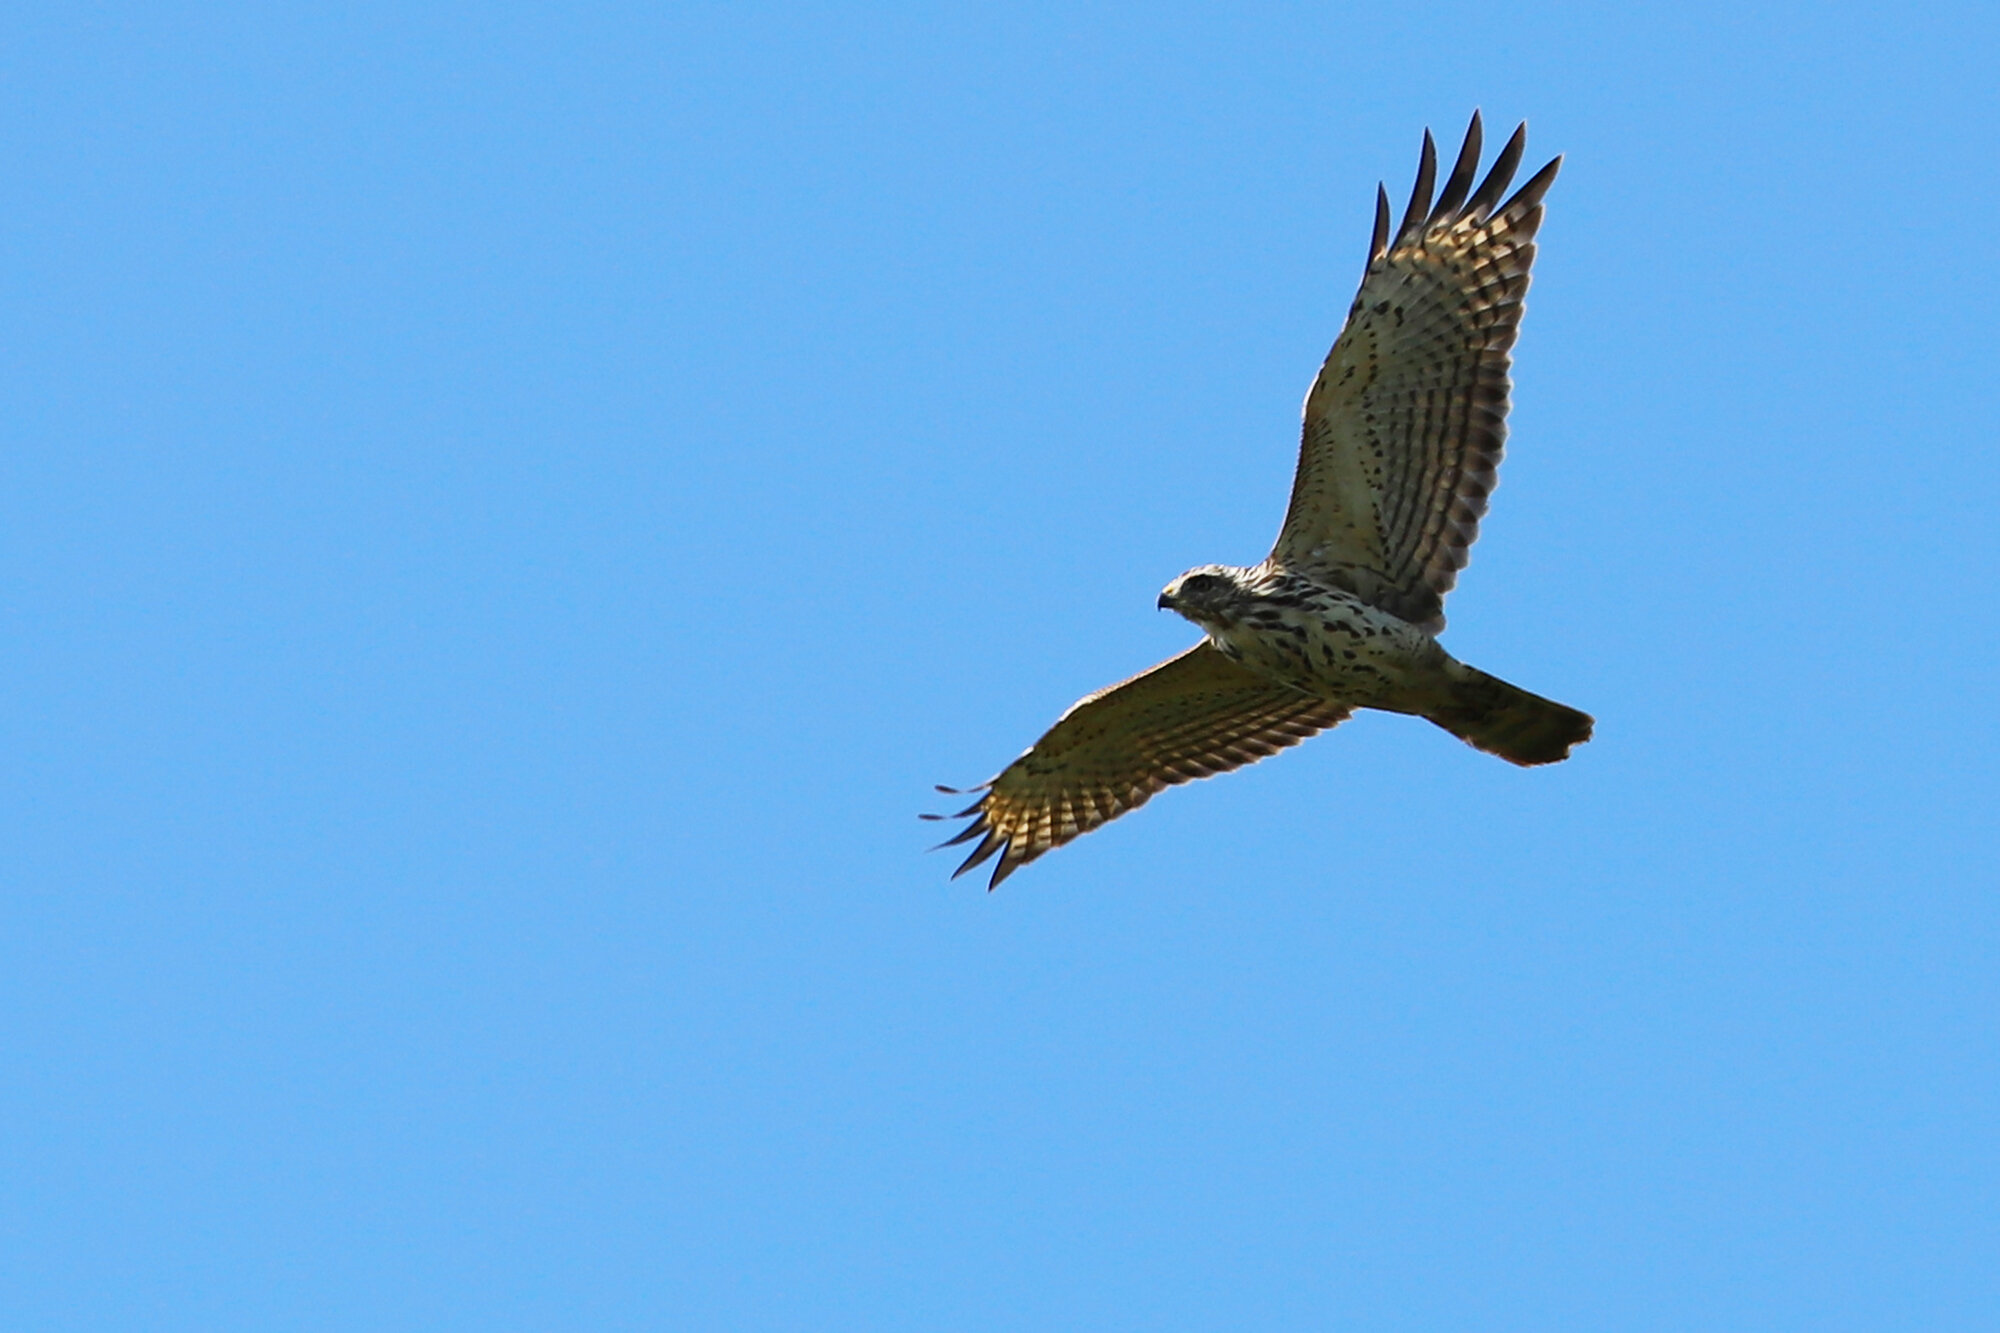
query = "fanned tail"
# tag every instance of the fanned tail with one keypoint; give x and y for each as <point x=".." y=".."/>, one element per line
<point x="1522" y="728"/>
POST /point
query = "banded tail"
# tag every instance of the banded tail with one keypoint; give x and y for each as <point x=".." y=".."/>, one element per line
<point x="1522" y="728"/>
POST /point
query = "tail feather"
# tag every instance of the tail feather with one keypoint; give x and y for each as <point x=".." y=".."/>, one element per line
<point x="1522" y="728"/>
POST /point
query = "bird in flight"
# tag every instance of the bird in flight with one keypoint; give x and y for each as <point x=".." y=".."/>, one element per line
<point x="1403" y="431"/>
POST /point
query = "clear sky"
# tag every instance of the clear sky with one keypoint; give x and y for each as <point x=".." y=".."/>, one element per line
<point x="506" y="510"/>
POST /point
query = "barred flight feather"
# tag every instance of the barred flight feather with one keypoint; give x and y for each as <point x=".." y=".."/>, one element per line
<point x="1190" y="717"/>
<point x="1405" y="425"/>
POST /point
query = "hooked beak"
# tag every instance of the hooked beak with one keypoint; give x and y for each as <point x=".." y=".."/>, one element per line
<point x="1166" y="601"/>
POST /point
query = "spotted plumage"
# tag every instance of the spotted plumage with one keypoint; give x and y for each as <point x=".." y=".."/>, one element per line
<point x="1402" y="435"/>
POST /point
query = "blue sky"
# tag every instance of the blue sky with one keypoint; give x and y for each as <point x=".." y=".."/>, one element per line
<point x="506" y="511"/>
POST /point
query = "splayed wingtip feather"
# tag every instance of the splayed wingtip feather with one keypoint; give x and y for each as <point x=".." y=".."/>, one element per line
<point x="1502" y="173"/>
<point x="1420" y="193"/>
<point x="993" y="843"/>
<point x="1459" y="184"/>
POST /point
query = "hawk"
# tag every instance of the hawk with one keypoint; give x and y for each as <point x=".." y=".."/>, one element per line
<point x="1403" y="431"/>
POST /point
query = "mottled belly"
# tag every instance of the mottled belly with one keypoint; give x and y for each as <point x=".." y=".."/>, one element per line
<point x="1346" y="651"/>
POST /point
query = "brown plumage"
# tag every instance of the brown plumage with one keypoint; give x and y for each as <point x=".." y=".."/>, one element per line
<point x="1403" y="432"/>
<point x="1190" y="717"/>
<point x="1405" y="423"/>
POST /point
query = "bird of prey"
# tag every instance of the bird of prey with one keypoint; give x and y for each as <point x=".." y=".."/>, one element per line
<point x="1403" y="431"/>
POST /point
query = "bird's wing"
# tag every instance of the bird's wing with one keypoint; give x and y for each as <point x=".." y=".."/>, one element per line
<point x="1404" y="426"/>
<point x="1190" y="717"/>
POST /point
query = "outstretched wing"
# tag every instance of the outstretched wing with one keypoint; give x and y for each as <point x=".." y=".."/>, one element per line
<point x="1189" y="717"/>
<point x="1404" y="426"/>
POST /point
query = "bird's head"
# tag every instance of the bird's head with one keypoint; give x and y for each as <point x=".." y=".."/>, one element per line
<point x="1208" y="595"/>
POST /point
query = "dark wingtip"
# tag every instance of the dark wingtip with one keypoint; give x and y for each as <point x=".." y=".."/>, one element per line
<point x="1420" y="194"/>
<point x="1378" y="245"/>
<point x="972" y="809"/>
<point x="1460" y="182"/>
<point x="992" y="843"/>
<point x="1538" y="185"/>
<point x="1504" y="167"/>
<point x="966" y="834"/>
